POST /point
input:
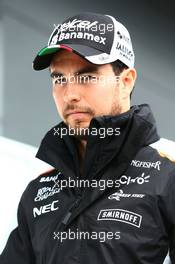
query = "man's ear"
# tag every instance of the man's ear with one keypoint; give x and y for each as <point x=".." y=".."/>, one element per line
<point x="128" y="77"/>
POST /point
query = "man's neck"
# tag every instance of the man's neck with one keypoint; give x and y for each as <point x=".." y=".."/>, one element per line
<point x="81" y="144"/>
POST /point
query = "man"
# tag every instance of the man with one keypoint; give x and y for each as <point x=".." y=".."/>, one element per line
<point x="110" y="198"/>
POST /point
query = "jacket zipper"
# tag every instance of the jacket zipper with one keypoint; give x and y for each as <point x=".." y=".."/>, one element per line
<point x="71" y="209"/>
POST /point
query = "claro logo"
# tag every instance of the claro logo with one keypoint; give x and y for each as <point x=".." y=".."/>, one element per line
<point x="37" y="211"/>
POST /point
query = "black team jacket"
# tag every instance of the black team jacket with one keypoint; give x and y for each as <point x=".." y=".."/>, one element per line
<point x="120" y="210"/>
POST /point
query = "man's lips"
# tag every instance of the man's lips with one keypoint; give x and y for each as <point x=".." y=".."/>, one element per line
<point x="75" y="113"/>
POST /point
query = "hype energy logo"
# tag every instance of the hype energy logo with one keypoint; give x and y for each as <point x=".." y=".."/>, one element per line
<point x="120" y="215"/>
<point x="76" y="24"/>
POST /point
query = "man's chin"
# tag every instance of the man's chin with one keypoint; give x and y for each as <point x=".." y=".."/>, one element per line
<point x="80" y="131"/>
<point x="79" y="124"/>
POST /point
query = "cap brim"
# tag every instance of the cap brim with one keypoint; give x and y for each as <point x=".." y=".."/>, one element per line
<point x="45" y="55"/>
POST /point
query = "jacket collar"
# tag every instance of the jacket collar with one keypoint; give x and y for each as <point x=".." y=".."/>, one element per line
<point x="137" y="129"/>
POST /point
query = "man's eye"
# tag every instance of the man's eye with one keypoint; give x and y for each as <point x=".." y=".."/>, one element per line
<point x="86" y="78"/>
<point x="59" y="80"/>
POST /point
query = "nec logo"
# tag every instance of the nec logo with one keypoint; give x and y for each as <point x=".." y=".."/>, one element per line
<point x="45" y="209"/>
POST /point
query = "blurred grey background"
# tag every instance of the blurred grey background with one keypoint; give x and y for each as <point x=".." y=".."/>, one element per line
<point x="27" y="109"/>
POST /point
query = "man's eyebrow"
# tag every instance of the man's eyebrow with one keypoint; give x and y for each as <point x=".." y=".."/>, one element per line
<point x="56" y="74"/>
<point x="90" y="69"/>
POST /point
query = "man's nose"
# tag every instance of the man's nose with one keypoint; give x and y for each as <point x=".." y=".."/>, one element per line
<point x="72" y="92"/>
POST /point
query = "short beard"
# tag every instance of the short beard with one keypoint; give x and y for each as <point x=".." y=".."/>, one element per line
<point x="82" y="133"/>
<point x="116" y="109"/>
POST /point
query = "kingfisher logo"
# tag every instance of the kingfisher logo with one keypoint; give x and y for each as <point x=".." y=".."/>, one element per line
<point x="146" y="164"/>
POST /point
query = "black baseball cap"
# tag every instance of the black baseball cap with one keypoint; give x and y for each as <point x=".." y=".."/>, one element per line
<point x="98" y="38"/>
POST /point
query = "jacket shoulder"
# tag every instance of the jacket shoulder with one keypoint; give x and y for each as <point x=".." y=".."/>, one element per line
<point x="46" y="177"/>
<point x="165" y="148"/>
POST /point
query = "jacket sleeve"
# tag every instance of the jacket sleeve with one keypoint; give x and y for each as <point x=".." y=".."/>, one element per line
<point x="168" y="211"/>
<point x="18" y="249"/>
<point x="171" y="207"/>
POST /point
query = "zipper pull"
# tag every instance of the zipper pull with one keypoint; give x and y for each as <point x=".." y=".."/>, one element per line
<point x="66" y="218"/>
<point x="69" y="213"/>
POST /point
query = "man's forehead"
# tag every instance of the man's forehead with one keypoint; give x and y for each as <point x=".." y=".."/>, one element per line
<point x="64" y="55"/>
<point x="65" y="61"/>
